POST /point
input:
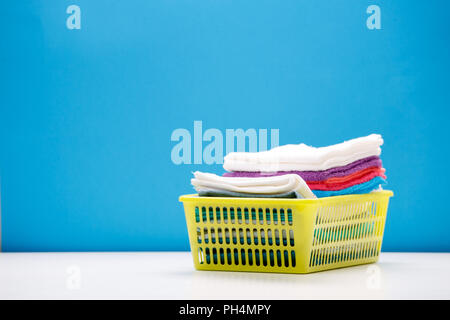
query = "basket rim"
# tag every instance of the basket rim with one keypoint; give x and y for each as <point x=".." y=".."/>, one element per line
<point x="374" y="194"/>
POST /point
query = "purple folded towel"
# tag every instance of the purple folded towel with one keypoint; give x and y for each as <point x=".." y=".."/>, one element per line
<point x="343" y="171"/>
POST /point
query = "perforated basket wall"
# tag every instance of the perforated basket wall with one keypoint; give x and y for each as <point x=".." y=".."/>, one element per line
<point x="285" y="235"/>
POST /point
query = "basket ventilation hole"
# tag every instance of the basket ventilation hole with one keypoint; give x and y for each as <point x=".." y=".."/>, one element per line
<point x="269" y="237"/>
<point x="289" y="213"/>
<point x="207" y="256"/>
<point x="257" y="257"/>
<point x="201" y="257"/>
<point x="264" y="257"/>
<point x="241" y="236"/>
<point x="261" y="216"/>
<point x="222" y="256"/>
<point x="205" y="235"/>
<point x="275" y="217"/>
<point x="213" y="235"/>
<point x="232" y="217"/>
<point x="255" y="236"/>
<point x="250" y="257"/>
<point x="225" y="215"/>
<point x="214" y="255"/>
<point x="253" y="216"/>
<point x="263" y="237"/>
<point x="282" y="217"/>
<point x="219" y="235"/>
<point x="239" y="214"/>
<point x="211" y="215"/>
<point x="197" y="215"/>
<point x="227" y="236"/>
<point x="284" y="237"/>
<point x="249" y="236"/>
<point x="236" y="256"/>
<point x="199" y="235"/>
<point x="203" y="214"/>
<point x="218" y="219"/>
<point x="277" y="237"/>
<point x="243" y="256"/>
<point x="279" y="258"/>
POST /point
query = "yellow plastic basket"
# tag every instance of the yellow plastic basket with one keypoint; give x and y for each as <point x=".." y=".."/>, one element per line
<point x="285" y="235"/>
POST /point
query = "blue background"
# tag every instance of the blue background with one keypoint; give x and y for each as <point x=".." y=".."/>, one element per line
<point x="86" y="115"/>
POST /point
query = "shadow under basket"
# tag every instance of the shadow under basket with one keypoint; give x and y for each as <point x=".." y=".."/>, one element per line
<point x="285" y="235"/>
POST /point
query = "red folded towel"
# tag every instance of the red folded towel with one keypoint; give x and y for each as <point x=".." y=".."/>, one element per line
<point x="339" y="183"/>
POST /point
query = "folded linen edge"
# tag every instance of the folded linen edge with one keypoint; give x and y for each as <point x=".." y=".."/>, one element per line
<point x="271" y="185"/>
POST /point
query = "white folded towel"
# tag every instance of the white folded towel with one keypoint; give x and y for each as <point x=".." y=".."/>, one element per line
<point x="268" y="186"/>
<point x="301" y="157"/>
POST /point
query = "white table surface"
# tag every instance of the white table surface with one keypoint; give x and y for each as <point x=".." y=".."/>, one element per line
<point x="171" y="275"/>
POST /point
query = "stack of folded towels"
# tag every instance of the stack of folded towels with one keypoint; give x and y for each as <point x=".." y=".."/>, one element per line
<point x="351" y="167"/>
